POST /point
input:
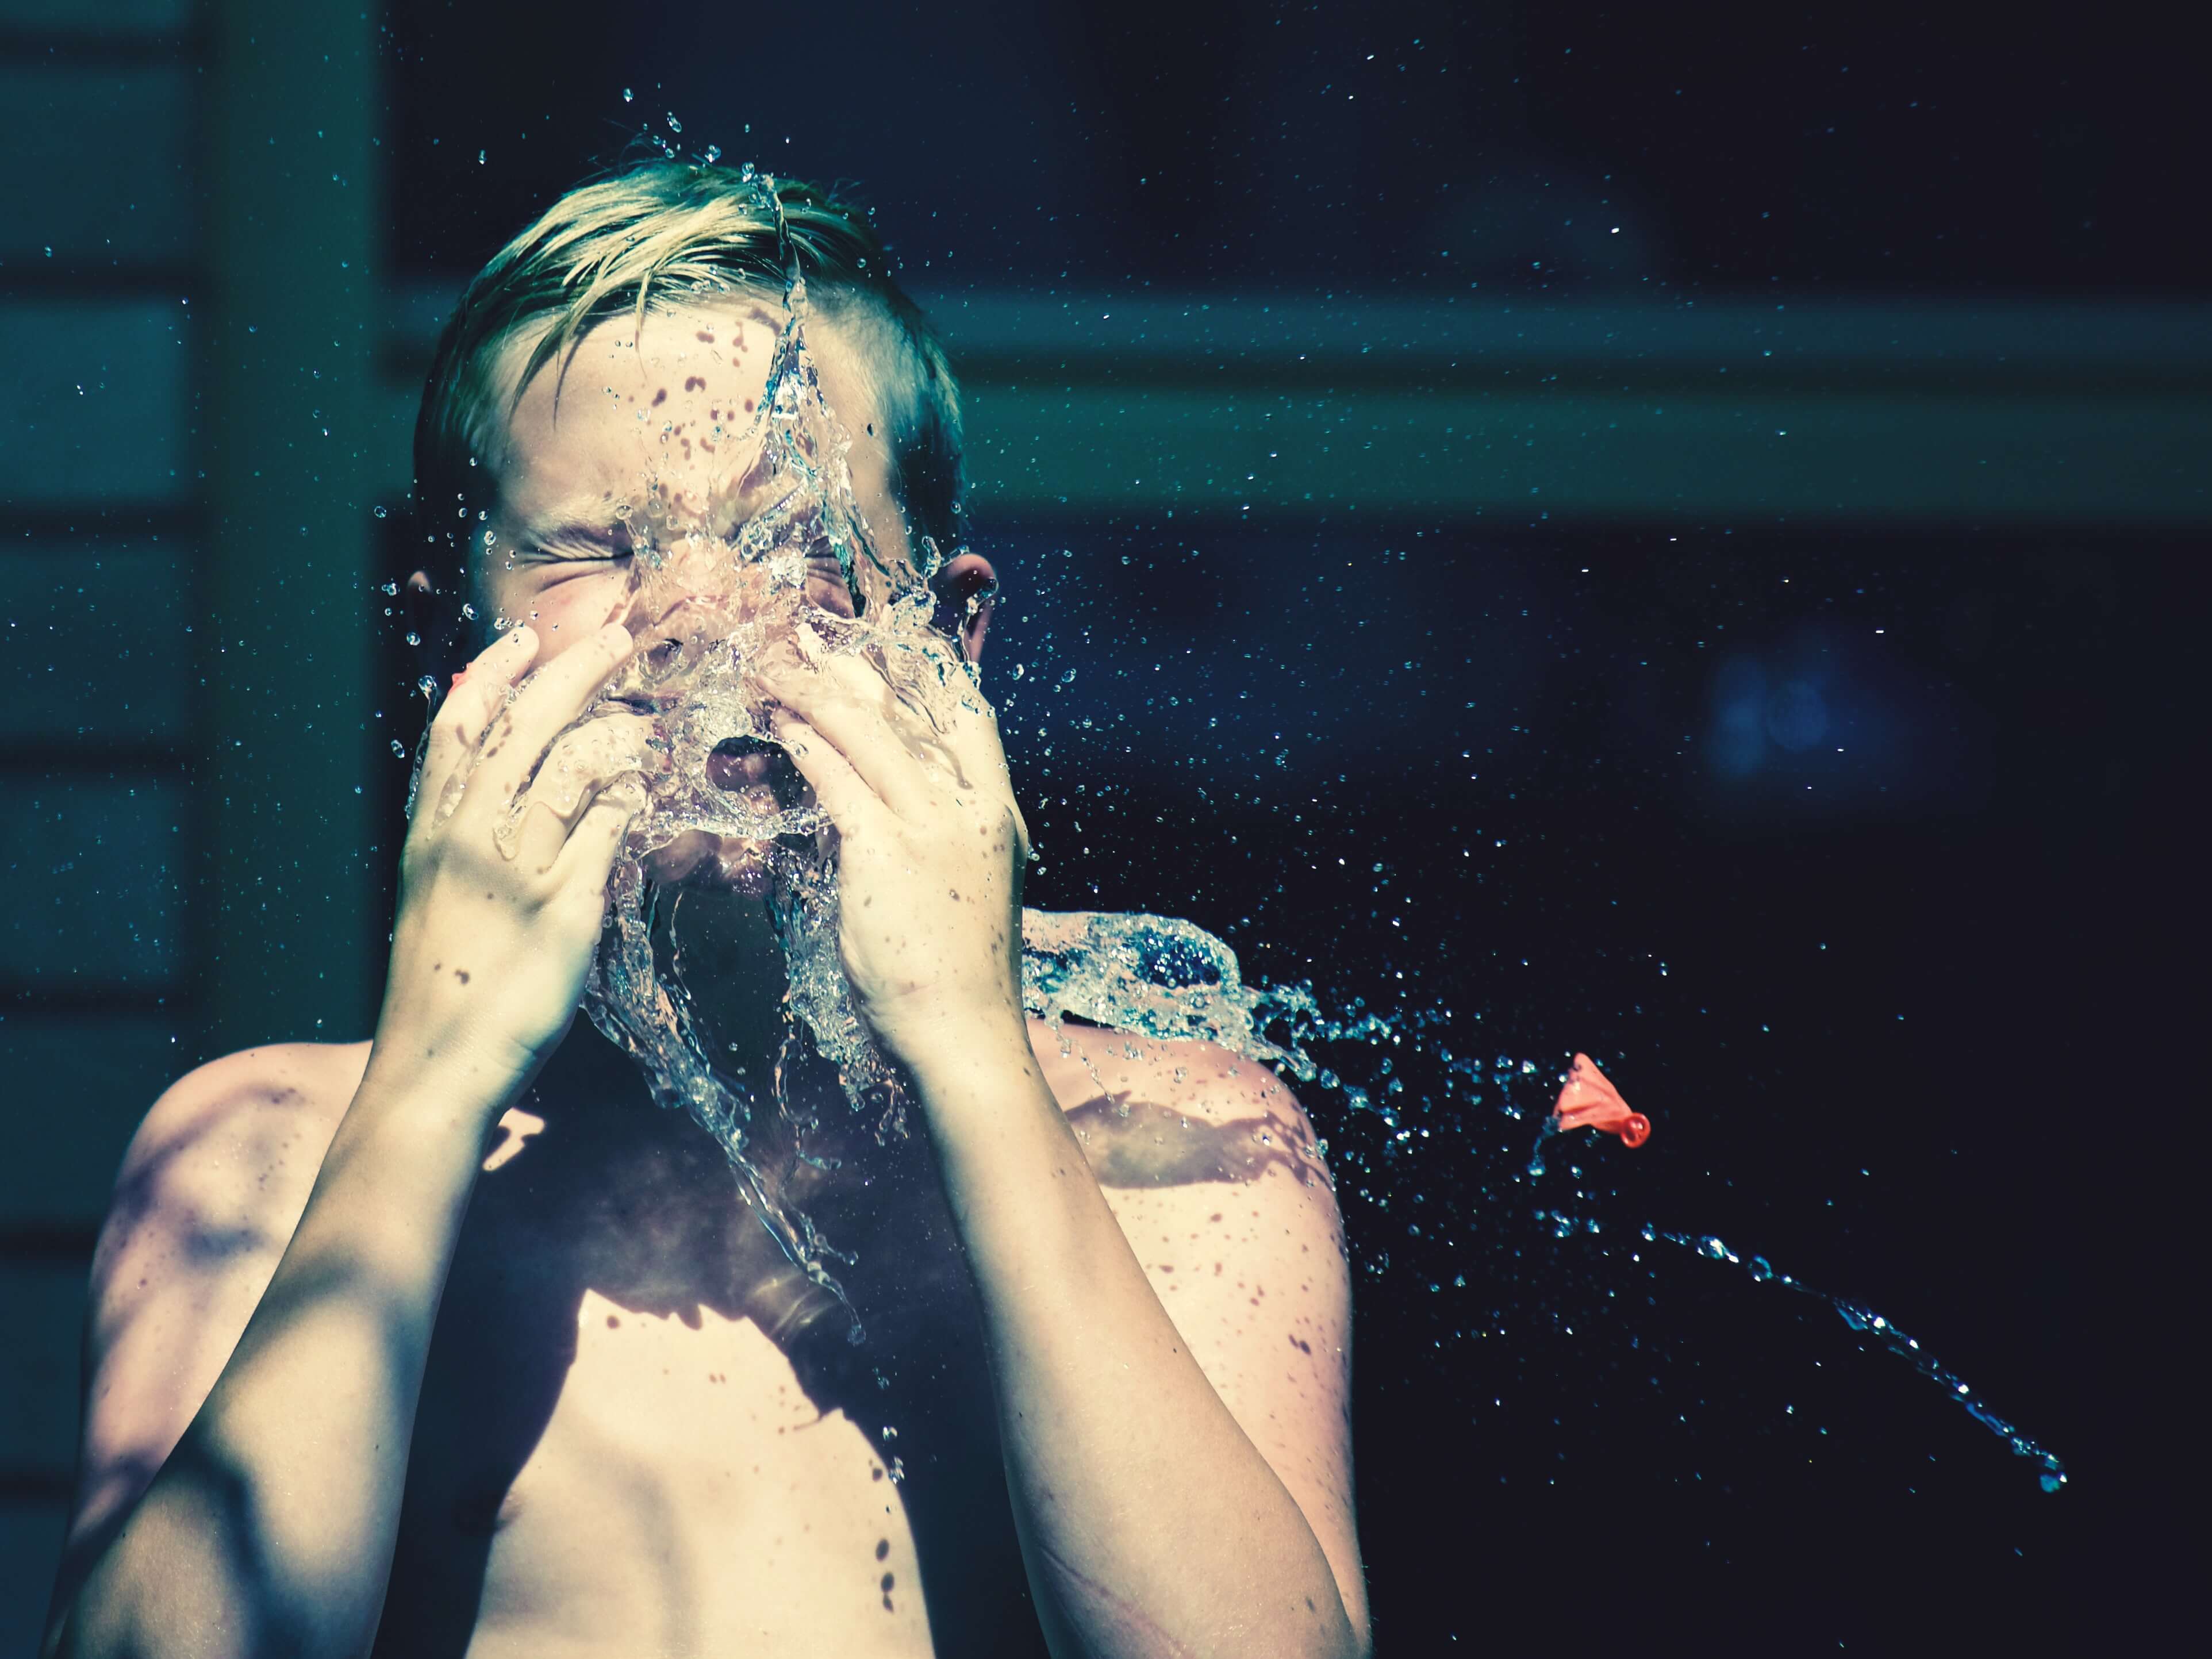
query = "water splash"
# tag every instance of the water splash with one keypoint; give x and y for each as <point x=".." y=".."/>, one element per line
<point x="1159" y="977"/>
<point x="799" y="573"/>
<point x="1859" y="1317"/>
<point x="1167" y="979"/>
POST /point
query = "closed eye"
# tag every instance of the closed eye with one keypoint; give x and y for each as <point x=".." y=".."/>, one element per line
<point x="577" y="555"/>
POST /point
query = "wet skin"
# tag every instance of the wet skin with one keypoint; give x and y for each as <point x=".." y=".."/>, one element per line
<point x="631" y="1437"/>
<point x="639" y="1419"/>
<point x="637" y="1436"/>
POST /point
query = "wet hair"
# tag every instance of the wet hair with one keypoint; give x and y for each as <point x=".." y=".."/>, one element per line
<point x="663" y="233"/>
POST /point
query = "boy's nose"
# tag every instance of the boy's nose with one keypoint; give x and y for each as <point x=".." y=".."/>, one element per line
<point x="695" y="586"/>
<point x="695" y="598"/>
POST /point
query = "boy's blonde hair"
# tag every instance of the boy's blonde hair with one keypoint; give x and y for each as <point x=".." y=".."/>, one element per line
<point x="660" y="233"/>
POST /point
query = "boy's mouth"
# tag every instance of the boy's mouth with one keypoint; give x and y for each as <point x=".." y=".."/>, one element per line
<point x="745" y="762"/>
<point x="695" y="859"/>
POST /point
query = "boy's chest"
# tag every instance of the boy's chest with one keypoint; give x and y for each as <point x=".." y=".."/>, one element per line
<point x="614" y="1455"/>
<point x="680" y="1483"/>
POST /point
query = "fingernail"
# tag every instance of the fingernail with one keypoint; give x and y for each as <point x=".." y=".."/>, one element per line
<point x="616" y="635"/>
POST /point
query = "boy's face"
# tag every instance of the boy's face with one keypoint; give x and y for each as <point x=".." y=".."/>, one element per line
<point x="649" y="439"/>
<point x="653" y="442"/>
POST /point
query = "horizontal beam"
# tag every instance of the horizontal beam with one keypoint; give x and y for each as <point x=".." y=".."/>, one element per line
<point x="1869" y="414"/>
<point x="1823" y="345"/>
<point x="1563" y="455"/>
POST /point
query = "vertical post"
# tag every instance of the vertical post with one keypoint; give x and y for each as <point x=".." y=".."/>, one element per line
<point x="285" y="907"/>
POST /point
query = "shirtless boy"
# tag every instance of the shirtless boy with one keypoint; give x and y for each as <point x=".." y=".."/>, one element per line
<point x="450" y="1342"/>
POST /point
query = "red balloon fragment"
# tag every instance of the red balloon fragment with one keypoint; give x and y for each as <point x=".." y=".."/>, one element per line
<point x="1590" y="1102"/>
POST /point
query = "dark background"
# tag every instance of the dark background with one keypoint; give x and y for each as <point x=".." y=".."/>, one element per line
<point x="1903" y="1039"/>
<point x="1873" y="147"/>
<point x="1854" y="847"/>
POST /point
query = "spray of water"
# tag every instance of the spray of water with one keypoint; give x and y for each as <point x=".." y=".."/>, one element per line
<point x="2051" y="1472"/>
<point x="1163" y="978"/>
<point x="799" y="571"/>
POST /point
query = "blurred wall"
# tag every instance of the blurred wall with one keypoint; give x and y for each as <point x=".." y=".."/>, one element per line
<point x="101" y="239"/>
<point x="185" y="230"/>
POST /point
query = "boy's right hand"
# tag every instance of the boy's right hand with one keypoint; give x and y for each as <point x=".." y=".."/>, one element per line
<point x="496" y="927"/>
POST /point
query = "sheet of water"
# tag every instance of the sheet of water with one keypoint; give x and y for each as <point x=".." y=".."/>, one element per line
<point x="763" y="550"/>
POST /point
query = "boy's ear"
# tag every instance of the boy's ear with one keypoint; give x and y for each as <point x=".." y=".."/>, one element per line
<point x="966" y="588"/>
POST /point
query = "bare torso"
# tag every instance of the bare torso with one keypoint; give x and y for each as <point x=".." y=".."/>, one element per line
<point x="641" y="1433"/>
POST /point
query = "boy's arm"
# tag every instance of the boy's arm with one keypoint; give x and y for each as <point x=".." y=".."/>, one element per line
<point x="208" y="1196"/>
<point x="1204" y="1158"/>
<point x="1156" y="1519"/>
<point x="270" y="1525"/>
<point x="244" y="1423"/>
<point x="1150" y="1523"/>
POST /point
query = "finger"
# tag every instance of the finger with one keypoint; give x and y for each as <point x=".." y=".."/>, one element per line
<point x="844" y="793"/>
<point x="945" y="729"/>
<point x="459" y="723"/>
<point x="972" y="736"/>
<point x="596" y="755"/>
<point x="549" y="701"/>
<point x="587" y="756"/>
<point x="851" y="707"/>
<point x="589" y="852"/>
<point x="537" y="835"/>
<point x="963" y="724"/>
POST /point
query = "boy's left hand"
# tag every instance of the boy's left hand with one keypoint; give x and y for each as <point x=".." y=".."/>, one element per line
<point x="933" y="847"/>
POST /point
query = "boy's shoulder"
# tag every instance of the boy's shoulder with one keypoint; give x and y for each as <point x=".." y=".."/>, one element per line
<point x="231" y="1146"/>
<point x="209" y="1194"/>
<point x="292" y="1086"/>
<point x="297" y="1077"/>
<point x="1154" y="1113"/>
<point x="1198" y="1079"/>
